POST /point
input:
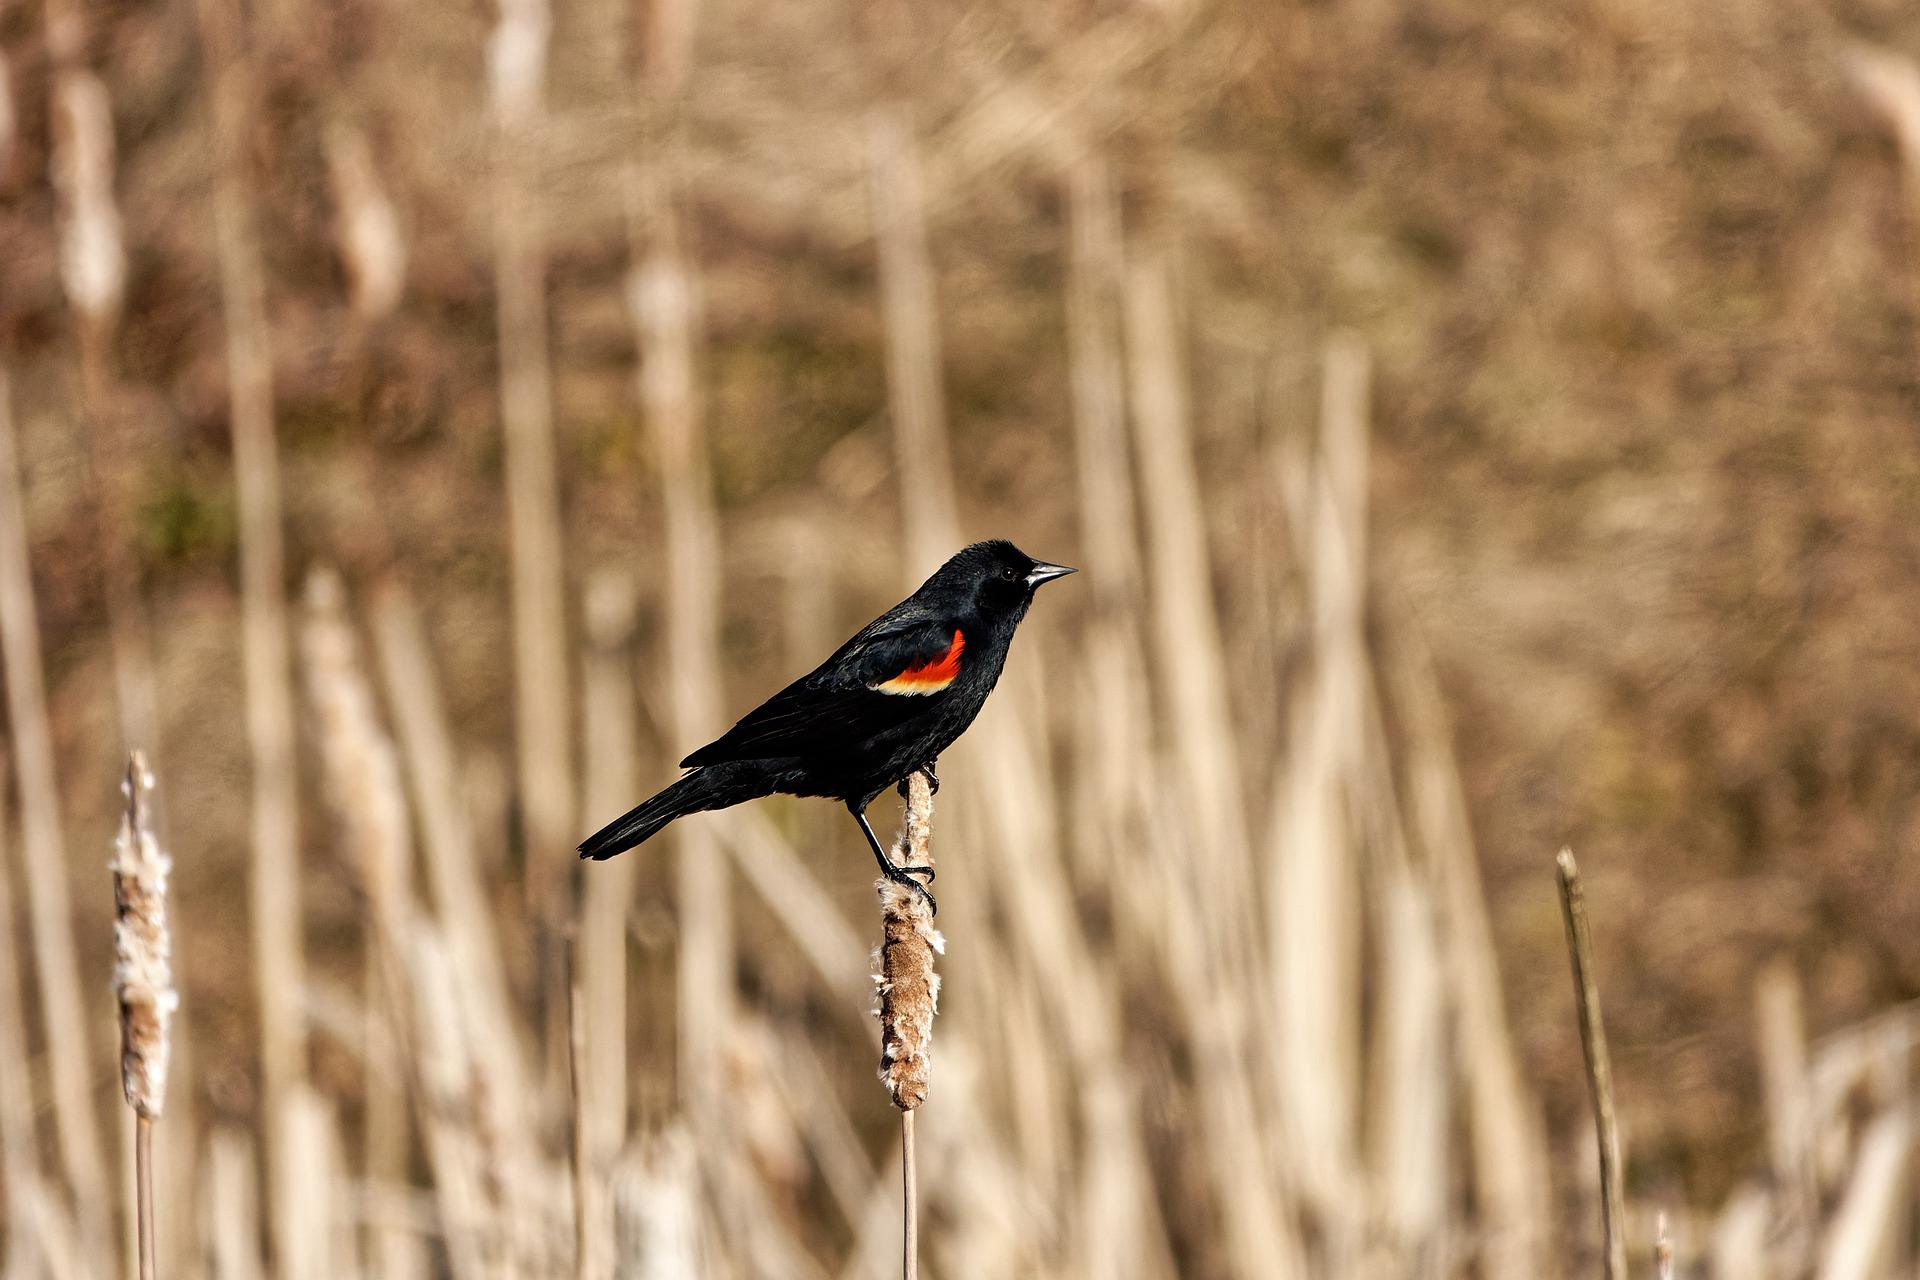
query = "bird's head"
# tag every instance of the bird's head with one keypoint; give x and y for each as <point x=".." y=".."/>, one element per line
<point x="994" y="579"/>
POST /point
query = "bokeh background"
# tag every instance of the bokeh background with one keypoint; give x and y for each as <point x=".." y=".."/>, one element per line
<point x="1483" y="428"/>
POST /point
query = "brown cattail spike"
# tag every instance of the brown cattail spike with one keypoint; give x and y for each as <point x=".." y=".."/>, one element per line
<point x="909" y="989"/>
<point x="143" y="948"/>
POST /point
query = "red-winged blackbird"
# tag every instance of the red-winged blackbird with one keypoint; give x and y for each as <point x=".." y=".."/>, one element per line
<point x="882" y="708"/>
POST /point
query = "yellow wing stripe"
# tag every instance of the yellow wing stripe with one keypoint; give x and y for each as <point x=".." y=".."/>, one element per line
<point x="928" y="677"/>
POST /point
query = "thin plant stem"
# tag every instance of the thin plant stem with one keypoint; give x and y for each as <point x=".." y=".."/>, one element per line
<point x="1593" y="1045"/>
<point x="909" y="1201"/>
<point x="143" y="1185"/>
<point x="586" y="1262"/>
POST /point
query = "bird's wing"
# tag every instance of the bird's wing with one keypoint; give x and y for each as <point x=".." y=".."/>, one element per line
<point x="872" y="683"/>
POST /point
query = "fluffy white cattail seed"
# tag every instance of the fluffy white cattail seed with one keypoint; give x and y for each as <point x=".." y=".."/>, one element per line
<point x="143" y="947"/>
<point x="908" y="989"/>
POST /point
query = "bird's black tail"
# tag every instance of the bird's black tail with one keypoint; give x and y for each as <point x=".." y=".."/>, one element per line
<point x="714" y="787"/>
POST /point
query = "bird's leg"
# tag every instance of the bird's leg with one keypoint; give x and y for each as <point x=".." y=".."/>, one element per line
<point x="888" y="867"/>
<point x="933" y="779"/>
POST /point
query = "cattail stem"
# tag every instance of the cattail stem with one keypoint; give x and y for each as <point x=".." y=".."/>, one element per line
<point x="909" y="1201"/>
<point x="1593" y="1045"/>
<point x="142" y="984"/>
<point x="143" y="1185"/>
<point x="908" y="996"/>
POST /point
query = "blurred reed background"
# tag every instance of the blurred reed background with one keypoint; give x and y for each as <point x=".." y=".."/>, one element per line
<point x="1481" y="428"/>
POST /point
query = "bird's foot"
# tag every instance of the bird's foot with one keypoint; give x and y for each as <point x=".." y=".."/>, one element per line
<point x="905" y="876"/>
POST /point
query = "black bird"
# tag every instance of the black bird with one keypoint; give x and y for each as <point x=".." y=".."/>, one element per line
<point x="882" y="708"/>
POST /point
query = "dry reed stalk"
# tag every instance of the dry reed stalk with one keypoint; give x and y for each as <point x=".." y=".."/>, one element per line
<point x="825" y="1127"/>
<point x="1046" y="113"/>
<point x="1890" y="83"/>
<point x="1408" y="1112"/>
<point x="372" y="245"/>
<point x="663" y="304"/>
<point x="143" y="984"/>
<point x="1112" y="739"/>
<point x="516" y="62"/>
<point x="361" y="768"/>
<point x="914" y="396"/>
<point x="1662" y="1251"/>
<point x="279" y="970"/>
<point x="1510" y="1167"/>
<point x="1259" y="1237"/>
<point x="363" y="783"/>
<point x="52" y="1240"/>
<point x="1185" y="624"/>
<point x="320" y="1245"/>
<point x="9" y="119"/>
<point x="607" y="710"/>
<point x="50" y="911"/>
<point x="444" y="1059"/>
<point x="1593" y="1047"/>
<point x="1787" y="1093"/>
<point x="657" y="1206"/>
<point x="590" y="1225"/>
<point x="454" y="877"/>
<point x="93" y="270"/>
<point x="491" y="1098"/>
<point x="93" y="260"/>
<point x="1864" y="1236"/>
<point x="1742" y="1245"/>
<point x="1314" y="900"/>
<point x="233" y="1210"/>
<point x="798" y="900"/>
<point x="907" y="997"/>
<point x="19" y="1161"/>
<point x="1077" y="1006"/>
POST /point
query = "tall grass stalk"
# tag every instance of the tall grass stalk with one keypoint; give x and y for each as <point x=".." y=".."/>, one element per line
<point x="607" y="713"/>
<point x="50" y="910"/>
<point x="363" y="783"/>
<point x="1510" y="1167"/>
<point x="1185" y="623"/>
<point x="914" y="395"/>
<point x="93" y="273"/>
<point x="456" y="883"/>
<point x="664" y="307"/>
<point x="279" y="969"/>
<point x="516" y="65"/>
<point x="19" y="1160"/>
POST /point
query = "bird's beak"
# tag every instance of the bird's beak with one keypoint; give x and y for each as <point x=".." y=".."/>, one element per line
<point x="1047" y="573"/>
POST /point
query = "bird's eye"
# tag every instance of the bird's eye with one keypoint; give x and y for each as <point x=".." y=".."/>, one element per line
<point x="1008" y="572"/>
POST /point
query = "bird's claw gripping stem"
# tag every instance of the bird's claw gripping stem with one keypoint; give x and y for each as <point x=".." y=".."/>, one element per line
<point x="905" y="876"/>
<point x="888" y="867"/>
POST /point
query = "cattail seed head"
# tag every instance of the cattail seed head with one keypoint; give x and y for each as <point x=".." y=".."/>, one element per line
<point x="908" y="990"/>
<point x="372" y="243"/>
<point x="93" y="260"/>
<point x="143" y="948"/>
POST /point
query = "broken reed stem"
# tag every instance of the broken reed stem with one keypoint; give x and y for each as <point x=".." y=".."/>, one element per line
<point x="142" y="982"/>
<point x="908" y="996"/>
<point x="1593" y="1045"/>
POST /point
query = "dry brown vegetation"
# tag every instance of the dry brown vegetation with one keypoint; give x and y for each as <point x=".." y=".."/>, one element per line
<point x="1481" y="428"/>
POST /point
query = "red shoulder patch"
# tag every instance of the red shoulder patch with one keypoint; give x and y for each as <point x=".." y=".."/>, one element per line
<point x="931" y="676"/>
